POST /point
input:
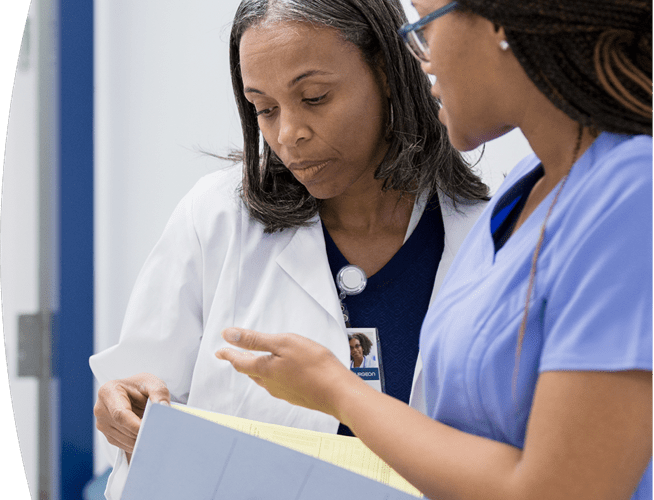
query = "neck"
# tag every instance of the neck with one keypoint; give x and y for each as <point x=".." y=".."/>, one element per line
<point x="367" y="211"/>
<point x="554" y="138"/>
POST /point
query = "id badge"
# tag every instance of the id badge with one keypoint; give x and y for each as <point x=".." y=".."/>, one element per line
<point x="365" y="356"/>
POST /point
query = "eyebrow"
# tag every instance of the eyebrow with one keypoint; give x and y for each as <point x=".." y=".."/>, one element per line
<point x="293" y="82"/>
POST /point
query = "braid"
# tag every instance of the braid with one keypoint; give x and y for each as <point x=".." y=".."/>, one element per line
<point x="591" y="58"/>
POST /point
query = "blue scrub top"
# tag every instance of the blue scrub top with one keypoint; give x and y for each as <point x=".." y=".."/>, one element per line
<point x="591" y="307"/>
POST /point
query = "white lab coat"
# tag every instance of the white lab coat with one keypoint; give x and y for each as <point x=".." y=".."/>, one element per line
<point x="214" y="267"/>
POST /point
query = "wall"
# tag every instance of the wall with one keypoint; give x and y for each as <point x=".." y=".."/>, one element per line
<point x="19" y="242"/>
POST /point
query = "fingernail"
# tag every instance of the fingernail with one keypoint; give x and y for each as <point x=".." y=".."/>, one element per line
<point x="231" y="335"/>
<point x="164" y="402"/>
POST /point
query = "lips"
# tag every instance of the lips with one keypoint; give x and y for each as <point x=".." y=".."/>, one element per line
<point x="306" y="170"/>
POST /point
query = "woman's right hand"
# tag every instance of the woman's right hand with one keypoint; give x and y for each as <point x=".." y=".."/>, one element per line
<point x="121" y="404"/>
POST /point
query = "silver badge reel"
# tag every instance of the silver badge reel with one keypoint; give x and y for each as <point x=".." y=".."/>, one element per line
<point x="351" y="280"/>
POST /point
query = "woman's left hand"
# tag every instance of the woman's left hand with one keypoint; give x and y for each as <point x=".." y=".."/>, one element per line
<point x="297" y="369"/>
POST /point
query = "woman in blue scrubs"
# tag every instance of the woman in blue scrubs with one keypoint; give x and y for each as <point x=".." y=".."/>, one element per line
<point x="538" y="348"/>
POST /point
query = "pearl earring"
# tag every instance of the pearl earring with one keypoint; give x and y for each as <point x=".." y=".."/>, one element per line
<point x="504" y="45"/>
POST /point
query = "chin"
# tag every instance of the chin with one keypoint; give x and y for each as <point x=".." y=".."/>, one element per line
<point x="465" y="144"/>
<point x="320" y="194"/>
<point x="322" y="191"/>
<point x="470" y="143"/>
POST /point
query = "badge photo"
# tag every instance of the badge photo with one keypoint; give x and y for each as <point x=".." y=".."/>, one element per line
<point x="365" y="356"/>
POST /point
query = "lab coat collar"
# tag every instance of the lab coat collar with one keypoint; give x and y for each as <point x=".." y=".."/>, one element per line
<point x="305" y="260"/>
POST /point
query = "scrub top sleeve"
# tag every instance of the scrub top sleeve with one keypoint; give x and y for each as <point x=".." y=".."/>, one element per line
<point x="598" y="314"/>
<point x="163" y="323"/>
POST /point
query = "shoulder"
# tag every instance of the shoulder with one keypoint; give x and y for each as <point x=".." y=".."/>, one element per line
<point x="624" y="163"/>
<point x="219" y="189"/>
<point x="604" y="214"/>
<point x="212" y="208"/>
<point x="615" y="176"/>
<point x="214" y="196"/>
<point x="615" y="148"/>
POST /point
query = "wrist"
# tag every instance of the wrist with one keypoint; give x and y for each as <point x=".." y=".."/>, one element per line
<point x="351" y="394"/>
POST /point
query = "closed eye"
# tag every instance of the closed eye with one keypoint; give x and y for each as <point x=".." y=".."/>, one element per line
<point x="264" y="112"/>
<point x="314" y="100"/>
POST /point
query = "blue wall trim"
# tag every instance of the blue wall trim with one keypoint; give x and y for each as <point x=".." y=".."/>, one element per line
<point x="73" y="342"/>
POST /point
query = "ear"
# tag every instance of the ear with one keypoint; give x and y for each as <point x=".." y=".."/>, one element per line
<point x="500" y="36"/>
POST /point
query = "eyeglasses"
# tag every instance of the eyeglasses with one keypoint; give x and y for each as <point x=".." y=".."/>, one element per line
<point x="413" y="36"/>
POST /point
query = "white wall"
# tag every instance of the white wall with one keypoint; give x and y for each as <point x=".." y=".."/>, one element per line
<point x="19" y="249"/>
<point x="162" y="91"/>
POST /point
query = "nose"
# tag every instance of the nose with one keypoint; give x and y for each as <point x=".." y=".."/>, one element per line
<point x="292" y="129"/>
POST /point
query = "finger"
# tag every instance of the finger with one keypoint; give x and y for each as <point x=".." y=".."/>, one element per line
<point x="117" y="438"/>
<point x="254" y="341"/>
<point x="233" y="356"/>
<point x="126" y="421"/>
<point x="114" y="408"/>
<point x="120" y="437"/>
<point x="243" y="361"/>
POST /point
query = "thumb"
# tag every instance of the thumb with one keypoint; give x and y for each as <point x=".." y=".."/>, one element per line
<point x="251" y="340"/>
<point x="154" y="388"/>
<point x="160" y="394"/>
<point x="161" y="397"/>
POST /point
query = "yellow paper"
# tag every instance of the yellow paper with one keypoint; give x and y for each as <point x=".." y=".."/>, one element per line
<point x="344" y="451"/>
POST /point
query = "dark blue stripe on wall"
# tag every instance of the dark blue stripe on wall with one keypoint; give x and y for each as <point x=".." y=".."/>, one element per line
<point x="74" y="337"/>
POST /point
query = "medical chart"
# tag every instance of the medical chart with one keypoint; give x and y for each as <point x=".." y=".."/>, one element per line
<point x="344" y="451"/>
<point x="179" y="454"/>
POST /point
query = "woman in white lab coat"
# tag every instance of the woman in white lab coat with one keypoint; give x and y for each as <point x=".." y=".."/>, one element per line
<point x="353" y="157"/>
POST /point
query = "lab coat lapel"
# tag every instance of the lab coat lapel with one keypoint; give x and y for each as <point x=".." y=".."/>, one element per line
<point x="305" y="260"/>
<point x="456" y="225"/>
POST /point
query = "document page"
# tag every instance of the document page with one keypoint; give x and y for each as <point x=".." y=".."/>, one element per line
<point x="344" y="451"/>
<point x="180" y="455"/>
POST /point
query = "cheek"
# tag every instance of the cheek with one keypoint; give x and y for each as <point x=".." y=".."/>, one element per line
<point x="355" y="124"/>
<point x="269" y="133"/>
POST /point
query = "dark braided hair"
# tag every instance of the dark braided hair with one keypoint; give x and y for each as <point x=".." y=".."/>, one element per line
<point x="591" y="58"/>
<point x="420" y="157"/>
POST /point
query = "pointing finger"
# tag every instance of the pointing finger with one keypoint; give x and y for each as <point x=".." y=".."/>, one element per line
<point x="243" y="362"/>
<point x="253" y="341"/>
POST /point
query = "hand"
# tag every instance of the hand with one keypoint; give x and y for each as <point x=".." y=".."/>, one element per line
<point x="121" y="404"/>
<point x="297" y="369"/>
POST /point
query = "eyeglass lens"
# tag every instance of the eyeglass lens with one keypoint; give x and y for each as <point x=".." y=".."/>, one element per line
<point x="418" y="45"/>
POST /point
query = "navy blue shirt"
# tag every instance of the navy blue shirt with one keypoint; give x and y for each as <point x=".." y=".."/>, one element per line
<point x="396" y="299"/>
